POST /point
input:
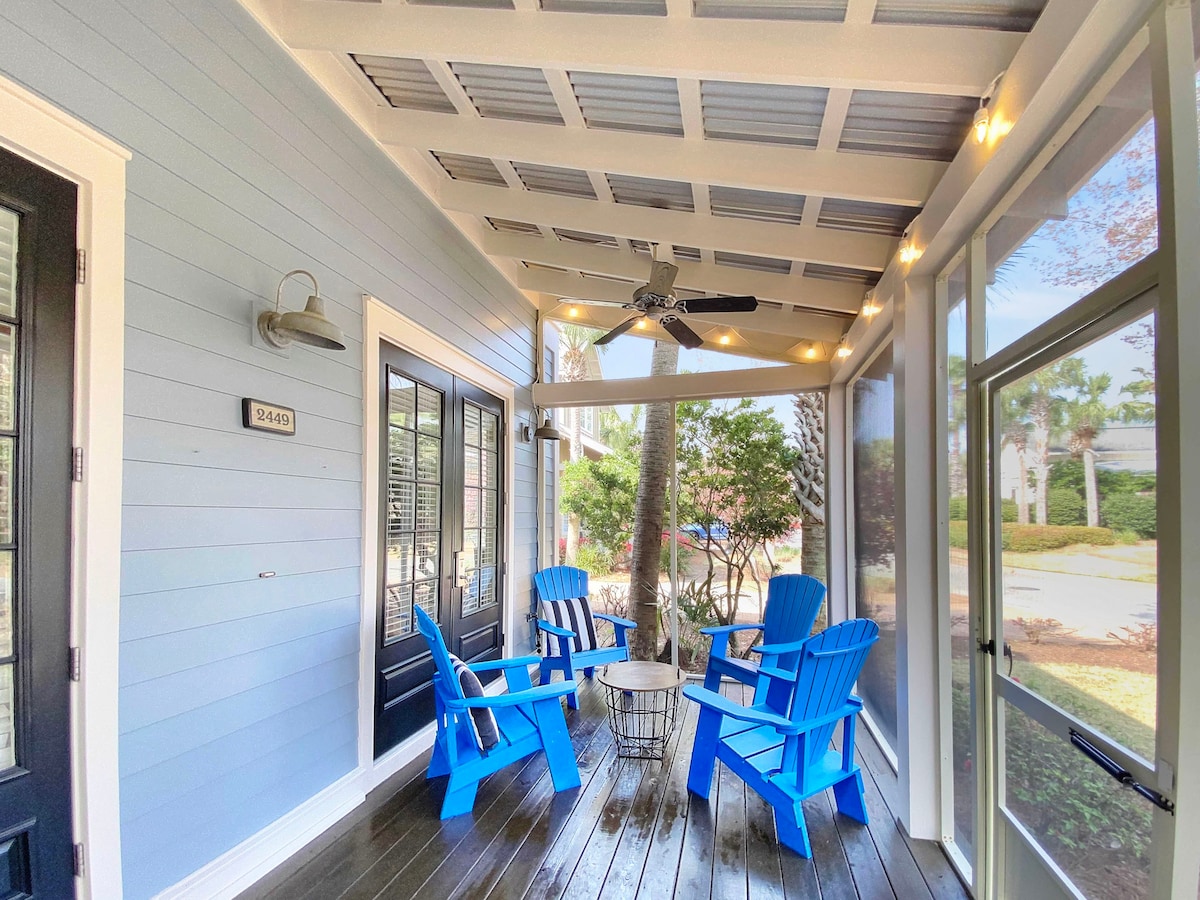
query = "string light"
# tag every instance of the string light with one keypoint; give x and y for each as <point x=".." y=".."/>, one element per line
<point x="843" y="349"/>
<point x="908" y="251"/>
<point x="869" y="308"/>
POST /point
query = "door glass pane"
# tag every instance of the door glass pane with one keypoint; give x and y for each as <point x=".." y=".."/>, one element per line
<point x="1089" y="215"/>
<point x="412" y="566"/>
<point x="9" y="224"/>
<point x="481" y="442"/>
<point x="962" y="656"/>
<point x="8" y="725"/>
<point x="1078" y="577"/>
<point x="875" y="536"/>
<point x="7" y="625"/>
<point x="1094" y="829"/>
<point x="8" y="363"/>
<point x="6" y="490"/>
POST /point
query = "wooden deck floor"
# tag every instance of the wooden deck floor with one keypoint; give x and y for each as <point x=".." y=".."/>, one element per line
<point x="631" y="831"/>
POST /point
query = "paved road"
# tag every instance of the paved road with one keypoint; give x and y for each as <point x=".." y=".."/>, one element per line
<point x="1093" y="605"/>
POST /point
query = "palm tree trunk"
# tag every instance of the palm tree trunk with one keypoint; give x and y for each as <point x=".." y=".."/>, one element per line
<point x="1089" y="487"/>
<point x="646" y="556"/>
<point x="1022" y="489"/>
<point x="812" y="551"/>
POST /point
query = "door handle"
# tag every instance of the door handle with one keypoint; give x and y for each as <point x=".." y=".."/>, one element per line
<point x="460" y="570"/>
<point x="1119" y="772"/>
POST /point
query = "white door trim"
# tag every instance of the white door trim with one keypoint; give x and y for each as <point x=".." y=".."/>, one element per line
<point x="382" y="323"/>
<point x="43" y="134"/>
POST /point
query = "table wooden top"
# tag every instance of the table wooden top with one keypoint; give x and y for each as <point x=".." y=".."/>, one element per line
<point x="641" y="676"/>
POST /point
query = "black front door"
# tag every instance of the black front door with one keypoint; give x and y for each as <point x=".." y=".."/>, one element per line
<point x="440" y="535"/>
<point x="37" y="322"/>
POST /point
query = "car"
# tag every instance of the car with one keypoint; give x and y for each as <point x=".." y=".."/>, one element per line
<point x="715" y="531"/>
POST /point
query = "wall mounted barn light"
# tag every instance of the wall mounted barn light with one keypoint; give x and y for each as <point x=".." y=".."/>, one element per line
<point x="308" y="326"/>
<point x="544" y="432"/>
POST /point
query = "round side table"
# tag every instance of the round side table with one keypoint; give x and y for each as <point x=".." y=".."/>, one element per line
<point x="643" y="698"/>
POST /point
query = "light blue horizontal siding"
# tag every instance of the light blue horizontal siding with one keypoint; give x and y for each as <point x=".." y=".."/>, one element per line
<point x="238" y="694"/>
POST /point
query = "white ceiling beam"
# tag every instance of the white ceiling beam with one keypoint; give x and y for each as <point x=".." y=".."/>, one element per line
<point x="452" y="87"/>
<point x="860" y="12"/>
<point x="697" y="386"/>
<point x="813" y="293"/>
<point x="564" y="97"/>
<point x="771" y="239"/>
<point x="679" y="9"/>
<point x="764" y="167"/>
<point x="924" y="59"/>
<point x="767" y="319"/>
<point x="837" y="104"/>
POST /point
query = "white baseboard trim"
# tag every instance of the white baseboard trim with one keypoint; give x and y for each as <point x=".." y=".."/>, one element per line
<point x="234" y="871"/>
<point x="399" y="757"/>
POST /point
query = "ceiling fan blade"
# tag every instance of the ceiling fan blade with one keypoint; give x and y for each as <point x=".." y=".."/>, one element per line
<point x="618" y="331"/>
<point x="662" y="278"/>
<point x="582" y="302"/>
<point x="684" y="335"/>
<point x="720" y="304"/>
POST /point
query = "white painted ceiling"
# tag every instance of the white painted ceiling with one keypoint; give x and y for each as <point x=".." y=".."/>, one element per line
<point x="778" y="148"/>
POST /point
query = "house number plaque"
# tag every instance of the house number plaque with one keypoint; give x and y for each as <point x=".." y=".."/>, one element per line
<point x="268" y="417"/>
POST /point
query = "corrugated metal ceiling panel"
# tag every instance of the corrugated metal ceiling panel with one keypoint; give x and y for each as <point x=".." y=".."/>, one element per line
<point x="1001" y="15"/>
<point x="628" y="102"/>
<point x="474" y="4"/>
<point x="654" y="192"/>
<point x="756" y="263"/>
<point x="918" y="126"/>
<point x="555" y="180"/>
<point x="872" y="218"/>
<point x="478" y="169"/>
<point x="767" y="113"/>
<point x="585" y="237"/>
<point x="763" y="206"/>
<point x="510" y="226"/>
<point x="800" y="10"/>
<point x="508" y="92"/>
<point x="608" y="7"/>
<point x="842" y="273"/>
<point x="688" y="254"/>
<point x="406" y="83"/>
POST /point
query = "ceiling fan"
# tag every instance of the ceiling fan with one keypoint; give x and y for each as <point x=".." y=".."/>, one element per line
<point x="656" y="301"/>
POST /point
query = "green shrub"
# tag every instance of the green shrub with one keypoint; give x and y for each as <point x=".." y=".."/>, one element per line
<point x="1131" y="512"/>
<point x="1039" y="538"/>
<point x="958" y="535"/>
<point x="1064" y="506"/>
<point x="958" y="509"/>
<point x="1126" y="537"/>
<point x="594" y="559"/>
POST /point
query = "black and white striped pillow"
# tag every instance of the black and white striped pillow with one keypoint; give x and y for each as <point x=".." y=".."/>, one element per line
<point x="576" y="615"/>
<point x="483" y="720"/>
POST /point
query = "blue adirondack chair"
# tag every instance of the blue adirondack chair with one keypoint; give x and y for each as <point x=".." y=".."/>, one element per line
<point x="782" y="750"/>
<point x="529" y="719"/>
<point x="562" y="584"/>
<point x="793" y="604"/>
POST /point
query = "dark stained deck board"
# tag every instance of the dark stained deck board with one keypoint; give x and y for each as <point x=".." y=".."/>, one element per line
<point x="630" y="829"/>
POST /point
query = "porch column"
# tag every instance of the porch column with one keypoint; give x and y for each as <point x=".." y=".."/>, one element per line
<point x="916" y="559"/>
<point x="839" y="566"/>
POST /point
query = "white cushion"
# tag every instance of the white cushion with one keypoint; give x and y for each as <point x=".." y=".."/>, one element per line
<point x="574" y="615"/>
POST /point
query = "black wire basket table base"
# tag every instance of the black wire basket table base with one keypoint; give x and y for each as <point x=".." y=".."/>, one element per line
<point x="643" y="699"/>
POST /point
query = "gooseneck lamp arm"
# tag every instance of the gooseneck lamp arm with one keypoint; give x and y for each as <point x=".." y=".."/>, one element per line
<point x="279" y="290"/>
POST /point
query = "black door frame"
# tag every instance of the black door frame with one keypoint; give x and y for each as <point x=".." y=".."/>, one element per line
<point x="471" y="383"/>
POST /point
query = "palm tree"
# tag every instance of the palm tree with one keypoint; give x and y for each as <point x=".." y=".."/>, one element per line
<point x="646" y="557"/>
<point x="1038" y="394"/>
<point x="808" y="474"/>
<point x="1086" y="415"/>
<point x="574" y="342"/>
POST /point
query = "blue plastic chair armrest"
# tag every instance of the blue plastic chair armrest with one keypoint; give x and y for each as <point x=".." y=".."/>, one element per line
<point x="727" y="629"/>
<point x="714" y="701"/>
<point x="777" y="649"/>
<point x="777" y="674"/>
<point x="492" y="665"/>
<point x="849" y="709"/>
<point x="541" y="692"/>
<point x="554" y="629"/>
<point x="616" y="620"/>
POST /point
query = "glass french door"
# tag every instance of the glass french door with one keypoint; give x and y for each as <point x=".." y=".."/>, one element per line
<point x="439" y="533"/>
<point x="1070" y="540"/>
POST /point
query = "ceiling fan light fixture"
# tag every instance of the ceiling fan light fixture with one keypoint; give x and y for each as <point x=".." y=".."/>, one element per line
<point x="724" y="340"/>
<point x="810" y="352"/>
<point x="573" y="312"/>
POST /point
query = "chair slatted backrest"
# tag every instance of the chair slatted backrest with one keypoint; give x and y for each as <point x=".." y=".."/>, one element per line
<point x="829" y="666"/>
<point x="793" y="604"/>
<point x="561" y="583"/>
<point x="444" y="681"/>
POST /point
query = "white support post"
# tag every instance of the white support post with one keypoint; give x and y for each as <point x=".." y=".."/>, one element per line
<point x="1176" y="839"/>
<point x="674" y="540"/>
<point x="916" y="560"/>
<point x="839" y="565"/>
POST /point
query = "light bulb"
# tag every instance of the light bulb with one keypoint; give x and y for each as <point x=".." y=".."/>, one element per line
<point x="640" y="325"/>
<point x="843" y="349"/>
<point x="573" y="311"/>
<point x="723" y="339"/>
<point x="908" y="251"/>
<point x="811" y="352"/>
<point x="980" y="125"/>
<point x="869" y="308"/>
